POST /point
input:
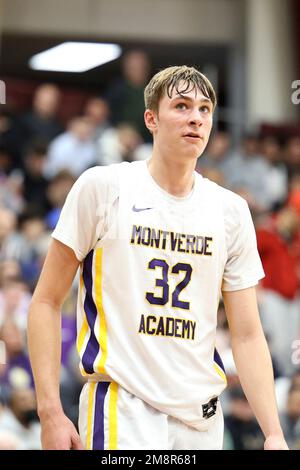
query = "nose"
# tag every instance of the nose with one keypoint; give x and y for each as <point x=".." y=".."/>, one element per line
<point x="195" y="118"/>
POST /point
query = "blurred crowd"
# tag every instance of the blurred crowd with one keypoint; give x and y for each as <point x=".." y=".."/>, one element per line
<point x="40" y="158"/>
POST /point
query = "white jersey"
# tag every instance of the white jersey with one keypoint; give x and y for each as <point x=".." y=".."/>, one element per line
<point x="152" y="269"/>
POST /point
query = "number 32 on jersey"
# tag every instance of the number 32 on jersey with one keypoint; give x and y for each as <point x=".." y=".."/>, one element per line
<point x="163" y="283"/>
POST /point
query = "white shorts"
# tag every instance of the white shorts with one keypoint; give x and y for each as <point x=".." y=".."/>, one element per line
<point x="111" y="418"/>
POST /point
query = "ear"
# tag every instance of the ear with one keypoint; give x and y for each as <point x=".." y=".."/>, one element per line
<point x="151" y="120"/>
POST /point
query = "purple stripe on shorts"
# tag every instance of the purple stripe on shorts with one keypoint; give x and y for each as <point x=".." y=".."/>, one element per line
<point x="92" y="347"/>
<point x="218" y="360"/>
<point x="98" y="433"/>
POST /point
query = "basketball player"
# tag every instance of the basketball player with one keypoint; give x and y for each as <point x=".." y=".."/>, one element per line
<point x="156" y="244"/>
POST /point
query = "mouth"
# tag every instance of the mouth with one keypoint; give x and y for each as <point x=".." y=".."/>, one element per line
<point x="192" y="136"/>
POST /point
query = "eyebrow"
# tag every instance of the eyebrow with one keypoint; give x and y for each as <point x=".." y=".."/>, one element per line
<point x="180" y="96"/>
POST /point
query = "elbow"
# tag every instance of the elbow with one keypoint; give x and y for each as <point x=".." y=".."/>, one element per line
<point x="39" y="304"/>
<point x="252" y="336"/>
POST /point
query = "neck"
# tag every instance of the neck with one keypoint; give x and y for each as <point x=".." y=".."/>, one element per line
<point x="176" y="178"/>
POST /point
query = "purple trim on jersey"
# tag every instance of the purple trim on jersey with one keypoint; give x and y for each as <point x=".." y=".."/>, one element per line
<point x="98" y="432"/>
<point x="218" y="360"/>
<point x="92" y="347"/>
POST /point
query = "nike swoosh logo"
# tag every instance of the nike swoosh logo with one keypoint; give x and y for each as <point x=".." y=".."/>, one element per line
<point x="135" y="209"/>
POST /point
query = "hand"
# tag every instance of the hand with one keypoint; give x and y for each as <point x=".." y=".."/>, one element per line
<point x="275" y="443"/>
<point x="59" y="433"/>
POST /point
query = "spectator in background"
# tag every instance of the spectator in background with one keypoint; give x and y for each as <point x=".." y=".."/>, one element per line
<point x="25" y="246"/>
<point x="241" y="425"/>
<point x="247" y="170"/>
<point x="16" y="371"/>
<point x="295" y="185"/>
<point x="57" y="192"/>
<point x="71" y="383"/>
<point x="15" y="295"/>
<point x="278" y="302"/>
<point x="8" y="136"/>
<point x="216" y="155"/>
<point x="6" y="161"/>
<point x="98" y="112"/>
<point x="294" y="201"/>
<point x="31" y="245"/>
<point x="277" y="180"/>
<point x="41" y="122"/>
<point x="214" y="175"/>
<point x="74" y="150"/>
<point x="8" y="223"/>
<point x="290" y="420"/>
<point x="14" y="302"/>
<point x="19" y="420"/>
<point x="34" y="183"/>
<point x="292" y="156"/>
<point x="9" y="271"/>
<point x="122" y="144"/>
<point x="126" y="94"/>
<point x="10" y="183"/>
<point x="282" y="387"/>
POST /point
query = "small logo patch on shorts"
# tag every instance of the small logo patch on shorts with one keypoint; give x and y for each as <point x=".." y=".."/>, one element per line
<point x="209" y="409"/>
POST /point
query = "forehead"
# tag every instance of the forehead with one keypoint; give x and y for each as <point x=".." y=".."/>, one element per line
<point x="195" y="95"/>
<point x="185" y="89"/>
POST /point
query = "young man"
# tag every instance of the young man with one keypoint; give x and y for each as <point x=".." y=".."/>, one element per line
<point x="156" y="244"/>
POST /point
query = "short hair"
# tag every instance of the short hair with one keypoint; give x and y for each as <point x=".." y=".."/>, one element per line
<point x="166" y="80"/>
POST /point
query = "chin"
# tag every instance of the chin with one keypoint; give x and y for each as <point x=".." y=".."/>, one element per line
<point x="191" y="156"/>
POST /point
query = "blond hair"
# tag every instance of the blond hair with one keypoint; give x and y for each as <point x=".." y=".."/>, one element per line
<point x="187" y="78"/>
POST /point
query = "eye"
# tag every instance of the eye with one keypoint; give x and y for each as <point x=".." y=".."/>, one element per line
<point x="205" y="109"/>
<point x="181" y="106"/>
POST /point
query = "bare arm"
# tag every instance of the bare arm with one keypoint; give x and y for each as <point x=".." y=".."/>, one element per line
<point x="44" y="342"/>
<point x="253" y="362"/>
